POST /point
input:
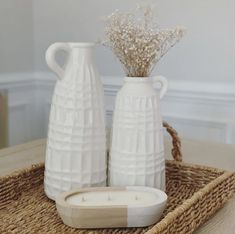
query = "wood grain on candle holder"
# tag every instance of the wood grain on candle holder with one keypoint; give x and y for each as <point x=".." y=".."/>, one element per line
<point x="100" y="216"/>
<point x="108" y="216"/>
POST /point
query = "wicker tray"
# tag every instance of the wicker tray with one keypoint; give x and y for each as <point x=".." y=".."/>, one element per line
<point x="195" y="193"/>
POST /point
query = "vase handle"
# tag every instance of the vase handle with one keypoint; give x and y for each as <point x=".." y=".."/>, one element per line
<point x="164" y="84"/>
<point x="50" y="57"/>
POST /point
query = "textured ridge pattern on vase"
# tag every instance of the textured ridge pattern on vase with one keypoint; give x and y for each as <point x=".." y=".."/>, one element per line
<point x="76" y="147"/>
<point x="137" y="151"/>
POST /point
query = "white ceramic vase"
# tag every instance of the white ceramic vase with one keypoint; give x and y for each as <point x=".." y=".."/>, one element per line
<point x="76" y="148"/>
<point x="137" y="150"/>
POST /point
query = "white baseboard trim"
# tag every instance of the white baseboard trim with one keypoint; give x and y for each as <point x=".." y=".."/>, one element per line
<point x="214" y="91"/>
<point x="186" y="89"/>
<point x="201" y="110"/>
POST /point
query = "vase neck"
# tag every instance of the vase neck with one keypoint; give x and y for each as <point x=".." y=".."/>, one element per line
<point x="81" y="54"/>
<point x="138" y="86"/>
<point x="138" y="80"/>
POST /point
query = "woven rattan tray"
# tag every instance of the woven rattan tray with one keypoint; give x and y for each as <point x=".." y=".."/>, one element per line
<point x="195" y="193"/>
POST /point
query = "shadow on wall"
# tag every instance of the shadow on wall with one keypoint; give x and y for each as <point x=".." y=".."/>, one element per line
<point x="3" y="119"/>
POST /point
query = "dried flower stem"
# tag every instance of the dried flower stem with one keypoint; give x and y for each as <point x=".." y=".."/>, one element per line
<point x="138" y="42"/>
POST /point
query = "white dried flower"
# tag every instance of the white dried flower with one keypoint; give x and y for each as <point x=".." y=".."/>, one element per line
<point x="139" y="43"/>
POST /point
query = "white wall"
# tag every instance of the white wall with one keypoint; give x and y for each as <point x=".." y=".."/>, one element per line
<point x="17" y="57"/>
<point x="207" y="53"/>
<point x="200" y="102"/>
<point x="195" y="112"/>
<point x="16" y="36"/>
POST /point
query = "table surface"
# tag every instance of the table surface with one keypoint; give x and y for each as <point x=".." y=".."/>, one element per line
<point x="197" y="152"/>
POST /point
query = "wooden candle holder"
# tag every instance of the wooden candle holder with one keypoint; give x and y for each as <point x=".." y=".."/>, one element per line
<point x="109" y="207"/>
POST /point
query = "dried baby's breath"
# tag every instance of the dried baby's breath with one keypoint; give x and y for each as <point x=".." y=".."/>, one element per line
<point x="138" y="42"/>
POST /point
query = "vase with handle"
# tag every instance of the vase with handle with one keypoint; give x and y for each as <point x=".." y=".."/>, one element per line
<point x="76" y="144"/>
<point x="137" y="150"/>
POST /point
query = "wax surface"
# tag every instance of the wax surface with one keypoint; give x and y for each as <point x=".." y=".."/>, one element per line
<point x="107" y="198"/>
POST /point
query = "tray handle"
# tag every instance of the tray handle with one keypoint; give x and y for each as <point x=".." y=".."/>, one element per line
<point x="176" y="142"/>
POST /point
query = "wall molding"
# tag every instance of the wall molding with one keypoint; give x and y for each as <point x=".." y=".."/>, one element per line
<point x="13" y="80"/>
<point x="215" y="90"/>
<point x="186" y="89"/>
<point x="197" y="110"/>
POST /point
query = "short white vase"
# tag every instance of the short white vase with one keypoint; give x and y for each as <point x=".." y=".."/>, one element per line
<point x="137" y="150"/>
<point x="76" y="145"/>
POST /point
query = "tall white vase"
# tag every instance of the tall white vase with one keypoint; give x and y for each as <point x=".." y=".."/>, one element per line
<point x="137" y="151"/>
<point x="76" y="148"/>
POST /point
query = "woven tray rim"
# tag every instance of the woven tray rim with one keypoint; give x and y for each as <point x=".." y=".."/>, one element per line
<point x="24" y="170"/>
<point x="222" y="180"/>
<point x="171" y="216"/>
<point x="187" y="204"/>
